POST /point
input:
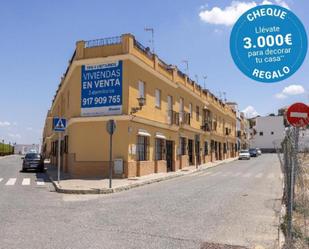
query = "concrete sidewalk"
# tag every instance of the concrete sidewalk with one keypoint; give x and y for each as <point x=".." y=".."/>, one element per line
<point x="101" y="186"/>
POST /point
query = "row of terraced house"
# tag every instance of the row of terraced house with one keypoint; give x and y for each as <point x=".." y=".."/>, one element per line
<point x="164" y="120"/>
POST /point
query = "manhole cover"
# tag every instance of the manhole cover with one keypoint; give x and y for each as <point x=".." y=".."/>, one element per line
<point x="206" y="245"/>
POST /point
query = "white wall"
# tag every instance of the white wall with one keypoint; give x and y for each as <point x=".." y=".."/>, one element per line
<point x="273" y="130"/>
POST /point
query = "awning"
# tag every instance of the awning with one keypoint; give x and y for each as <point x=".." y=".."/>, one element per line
<point x="160" y="135"/>
<point x="142" y="132"/>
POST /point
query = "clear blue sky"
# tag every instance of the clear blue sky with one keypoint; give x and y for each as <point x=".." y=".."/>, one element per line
<point x="38" y="38"/>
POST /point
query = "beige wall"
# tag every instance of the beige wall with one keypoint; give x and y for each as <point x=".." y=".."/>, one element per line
<point x="88" y="139"/>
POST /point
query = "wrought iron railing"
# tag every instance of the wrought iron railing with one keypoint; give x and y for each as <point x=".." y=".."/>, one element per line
<point x="103" y="42"/>
<point x="184" y="118"/>
<point x="206" y="126"/>
<point x="142" y="48"/>
<point x="173" y="117"/>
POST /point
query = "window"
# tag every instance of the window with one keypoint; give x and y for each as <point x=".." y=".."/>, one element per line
<point x="190" y="110"/>
<point x="271" y="133"/>
<point x="160" y="148"/>
<point x="158" y="98"/>
<point x="261" y="133"/>
<point x="141" y="89"/>
<point x="142" y="148"/>
<point x="54" y="148"/>
<point x="206" y="148"/>
<point x="183" y="146"/>
<point x="197" y="113"/>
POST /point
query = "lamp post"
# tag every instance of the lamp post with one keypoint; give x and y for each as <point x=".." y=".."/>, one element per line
<point x="141" y="103"/>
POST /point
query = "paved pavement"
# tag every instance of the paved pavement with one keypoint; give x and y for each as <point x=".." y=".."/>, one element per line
<point x="234" y="203"/>
<point x="101" y="186"/>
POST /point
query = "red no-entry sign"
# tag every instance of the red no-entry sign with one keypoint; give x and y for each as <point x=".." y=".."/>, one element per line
<point x="298" y="115"/>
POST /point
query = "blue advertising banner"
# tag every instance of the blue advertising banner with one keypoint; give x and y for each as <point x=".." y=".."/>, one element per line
<point x="101" y="89"/>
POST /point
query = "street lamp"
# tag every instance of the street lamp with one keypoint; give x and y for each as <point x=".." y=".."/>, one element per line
<point x="141" y="103"/>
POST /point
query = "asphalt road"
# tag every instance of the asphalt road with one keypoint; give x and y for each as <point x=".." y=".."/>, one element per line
<point x="234" y="203"/>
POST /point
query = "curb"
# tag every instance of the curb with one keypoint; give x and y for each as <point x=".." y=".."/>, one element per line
<point x="127" y="187"/>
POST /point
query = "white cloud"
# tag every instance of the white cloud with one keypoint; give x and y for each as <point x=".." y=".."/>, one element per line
<point x="250" y="112"/>
<point x="280" y="96"/>
<point x="228" y="15"/>
<point x="282" y="3"/>
<point x="293" y="90"/>
<point x="14" y="135"/>
<point x="4" y="123"/>
<point x="290" y="90"/>
<point x="29" y="128"/>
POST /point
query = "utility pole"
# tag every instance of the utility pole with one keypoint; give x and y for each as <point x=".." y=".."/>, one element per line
<point x="152" y="38"/>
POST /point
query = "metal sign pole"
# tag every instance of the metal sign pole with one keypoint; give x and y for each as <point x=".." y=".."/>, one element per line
<point x="110" y="160"/>
<point x="110" y="128"/>
<point x="59" y="151"/>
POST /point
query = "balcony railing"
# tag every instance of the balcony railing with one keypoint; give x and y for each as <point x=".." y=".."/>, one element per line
<point x="206" y="126"/>
<point x="239" y="134"/>
<point x="103" y="42"/>
<point x="142" y="48"/>
<point x="185" y="118"/>
<point x="173" y="117"/>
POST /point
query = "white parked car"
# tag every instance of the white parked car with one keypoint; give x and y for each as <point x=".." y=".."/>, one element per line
<point x="259" y="152"/>
<point x="244" y="154"/>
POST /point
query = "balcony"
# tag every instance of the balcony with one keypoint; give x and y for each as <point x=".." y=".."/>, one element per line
<point x="228" y="131"/>
<point x="173" y="117"/>
<point x="185" y="118"/>
<point x="206" y="126"/>
<point x="239" y="134"/>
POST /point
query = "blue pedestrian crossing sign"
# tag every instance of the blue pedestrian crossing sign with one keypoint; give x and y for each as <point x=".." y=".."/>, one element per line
<point x="59" y="124"/>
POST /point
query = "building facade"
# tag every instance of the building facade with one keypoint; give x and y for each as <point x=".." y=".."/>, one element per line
<point x="242" y="127"/>
<point x="164" y="120"/>
<point x="267" y="133"/>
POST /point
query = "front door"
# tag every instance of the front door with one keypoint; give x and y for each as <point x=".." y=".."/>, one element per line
<point x="197" y="152"/>
<point x="169" y="155"/>
<point x="190" y="151"/>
